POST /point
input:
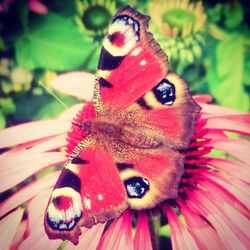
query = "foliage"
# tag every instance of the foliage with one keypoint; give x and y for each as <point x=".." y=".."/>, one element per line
<point x="53" y="42"/>
<point x="35" y="45"/>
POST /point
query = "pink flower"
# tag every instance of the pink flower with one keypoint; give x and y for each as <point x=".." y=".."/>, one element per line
<point x="38" y="7"/>
<point x="33" y="5"/>
<point x="211" y="211"/>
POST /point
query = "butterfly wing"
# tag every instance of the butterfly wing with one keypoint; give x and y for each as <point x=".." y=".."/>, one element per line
<point x="170" y="107"/>
<point x="131" y="62"/>
<point x="88" y="191"/>
<point x="154" y="173"/>
<point x="152" y="177"/>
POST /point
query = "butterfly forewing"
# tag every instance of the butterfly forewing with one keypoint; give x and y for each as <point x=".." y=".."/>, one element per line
<point x="170" y="107"/>
<point x="131" y="62"/>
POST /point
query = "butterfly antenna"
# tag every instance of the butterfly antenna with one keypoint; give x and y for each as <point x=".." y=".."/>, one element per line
<point x="50" y="91"/>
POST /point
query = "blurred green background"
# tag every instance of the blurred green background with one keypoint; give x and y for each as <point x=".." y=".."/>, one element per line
<point x="208" y="43"/>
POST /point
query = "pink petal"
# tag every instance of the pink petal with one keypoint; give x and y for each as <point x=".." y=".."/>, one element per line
<point x="78" y="84"/>
<point x="214" y="134"/>
<point x="32" y="131"/>
<point x="71" y="112"/>
<point x="212" y="206"/>
<point x="203" y="98"/>
<point x="233" y="123"/>
<point x="8" y="227"/>
<point x="236" y="147"/>
<point x="89" y="239"/>
<point x="239" y="189"/>
<point x="50" y="144"/>
<point x="37" y="238"/>
<point x="142" y="239"/>
<point x="17" y="166"/>
<point x="20" y="234"/>
<point x="236" y="169"/>
<point x="215" y="110"/>
<point x="28" y="192"/>
<point x="180" y="236"/>
<point x="37" y="7"/>
<point x="119" y="234"/>
<point x="204" y="234"/>
<point x="240" y="220"/>
<point x="220" y="195"/>
<point x="36" y="209"/>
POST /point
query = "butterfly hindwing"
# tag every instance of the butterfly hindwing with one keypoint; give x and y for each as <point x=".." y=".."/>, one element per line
<point x="131" y="62"/>
<point x="152" y="177"/>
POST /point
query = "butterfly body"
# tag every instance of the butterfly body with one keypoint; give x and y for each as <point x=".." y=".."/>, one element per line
<point x="128" y="129"/>
<point x="125" y="146"/>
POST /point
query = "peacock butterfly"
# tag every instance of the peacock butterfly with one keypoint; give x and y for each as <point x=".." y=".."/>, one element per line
<point x="125" y="146"/>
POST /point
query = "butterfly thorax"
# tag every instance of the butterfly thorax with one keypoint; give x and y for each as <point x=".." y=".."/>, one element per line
<point x="105" y="131"/>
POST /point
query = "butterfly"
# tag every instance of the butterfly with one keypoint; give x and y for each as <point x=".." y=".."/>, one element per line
<point x="125" y="146"/>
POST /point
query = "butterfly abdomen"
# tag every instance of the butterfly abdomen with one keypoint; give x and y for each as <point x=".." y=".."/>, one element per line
<point x="141" y="138"/>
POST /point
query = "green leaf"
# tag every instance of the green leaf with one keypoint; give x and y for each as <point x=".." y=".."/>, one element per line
<point x="53" y="108"/>
<point x="92" y="63"/>
<point x="225" y="74"/>
<point x="31" y="107"/>
<point x="165" y="231"/>
<point x="246" y="77"/>
<point x="53" y="43"/>
<point x="6" y="86"/>
<point x="7" y="105"/>
<point x="63" y="7"/>
<point x="2" y="120"/>
<point x="215" y="13"/>
<point x="233" y="15"/>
